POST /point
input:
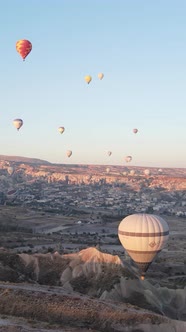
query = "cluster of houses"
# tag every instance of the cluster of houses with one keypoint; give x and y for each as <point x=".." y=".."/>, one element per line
<point x="100" y="193"/>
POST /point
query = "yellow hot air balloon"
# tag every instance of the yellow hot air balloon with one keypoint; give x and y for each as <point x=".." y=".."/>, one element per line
<point x="61" y="130"/>
<point x="100" y="76"/>
<point x="18" y="123"/>
<point x="69" y="153"/>
<point x="88" y="79"/>
<point x="143" y="236"/>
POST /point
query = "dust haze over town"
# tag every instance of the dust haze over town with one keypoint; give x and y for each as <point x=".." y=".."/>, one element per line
<point x="62" y="266"/>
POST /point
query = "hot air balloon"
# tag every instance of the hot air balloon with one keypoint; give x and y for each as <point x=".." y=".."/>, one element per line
<point x="18" y="123"/>
<point x="69" y="153"/>
<point x="128" y="159"/>
<point x="10" y="170"/>
<point x="135" y="130"/>
<point x="100" y="76"/>
<point x="108" y="170"/>
<point x="146" y="172"/>
<point x="88" y="79"/>
<point x="132" y="172"/>
<point x="23" y="47"/>
<point x="61" y="130"/>
<point x="109" y="153"/>
<point x="143" y="236"/>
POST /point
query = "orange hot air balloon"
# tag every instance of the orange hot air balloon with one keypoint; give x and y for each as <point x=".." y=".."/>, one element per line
<point x="23" y="47"/>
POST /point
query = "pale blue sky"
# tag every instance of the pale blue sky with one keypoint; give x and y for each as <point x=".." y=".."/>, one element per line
<point x="139" y="45"/>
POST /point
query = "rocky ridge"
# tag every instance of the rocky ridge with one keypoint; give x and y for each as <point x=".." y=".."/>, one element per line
<point x="95" y="278"/>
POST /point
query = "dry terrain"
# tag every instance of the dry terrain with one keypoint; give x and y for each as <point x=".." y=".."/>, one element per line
<point x="66" y="270"/>
<point x="91" y="289"/>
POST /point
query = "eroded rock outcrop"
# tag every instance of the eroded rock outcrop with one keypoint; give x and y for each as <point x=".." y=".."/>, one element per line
<point x="97" y="274"/>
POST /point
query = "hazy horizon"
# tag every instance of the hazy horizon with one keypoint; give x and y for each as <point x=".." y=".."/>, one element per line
<point x="11" y="158"/>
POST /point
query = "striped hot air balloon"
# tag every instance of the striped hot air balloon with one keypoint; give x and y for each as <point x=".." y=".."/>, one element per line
<point x="143" y="236"/>
<point x="23" y="47"/>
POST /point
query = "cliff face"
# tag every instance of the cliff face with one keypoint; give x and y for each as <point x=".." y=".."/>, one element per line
<point x="96" y="274"/>
<point x="174" y="179"/>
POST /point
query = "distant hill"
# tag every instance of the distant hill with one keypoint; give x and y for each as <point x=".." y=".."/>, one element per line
<point x="25" y="160"/>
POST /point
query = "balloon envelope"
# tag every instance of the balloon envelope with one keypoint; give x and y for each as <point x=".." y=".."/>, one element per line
<point x="100" y="76"/>
<point x="143" y="236"/>
<point x="69" y="153"/>
<point x="128" y="159"/>
<point x="23" y="47"/>
<point x="18" y="123"/>
<point x="147" y="172"/>
<point x="109" y="153"/>
<point x="135" y="130"/>
<point x="10" y="170"/>
<point x="88" y="79"/>
<point x="61" y="130"/>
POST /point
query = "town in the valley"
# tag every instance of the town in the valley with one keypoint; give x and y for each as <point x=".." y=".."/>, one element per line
<point x="70" y="207"/>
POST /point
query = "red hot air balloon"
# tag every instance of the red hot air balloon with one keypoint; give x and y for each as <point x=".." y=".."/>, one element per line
<point x="23" y="47"/>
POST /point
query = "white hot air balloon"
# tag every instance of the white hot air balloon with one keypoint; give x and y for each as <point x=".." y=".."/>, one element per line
<point x="61" y="130"/>
<point x="108" y="170"/>
<point x="18" y="123"/>
<point x="147" y="172"/>
<point x="132" y="172"/>
<point x="10" y="170"/>
<point x="69" y="153"/>
<point x="109" y="153"/>
<point x="143" y="236"/>
<point x="135" y="130"/>
<point x="128" y="159"/>
<point x="100" y="76"/>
